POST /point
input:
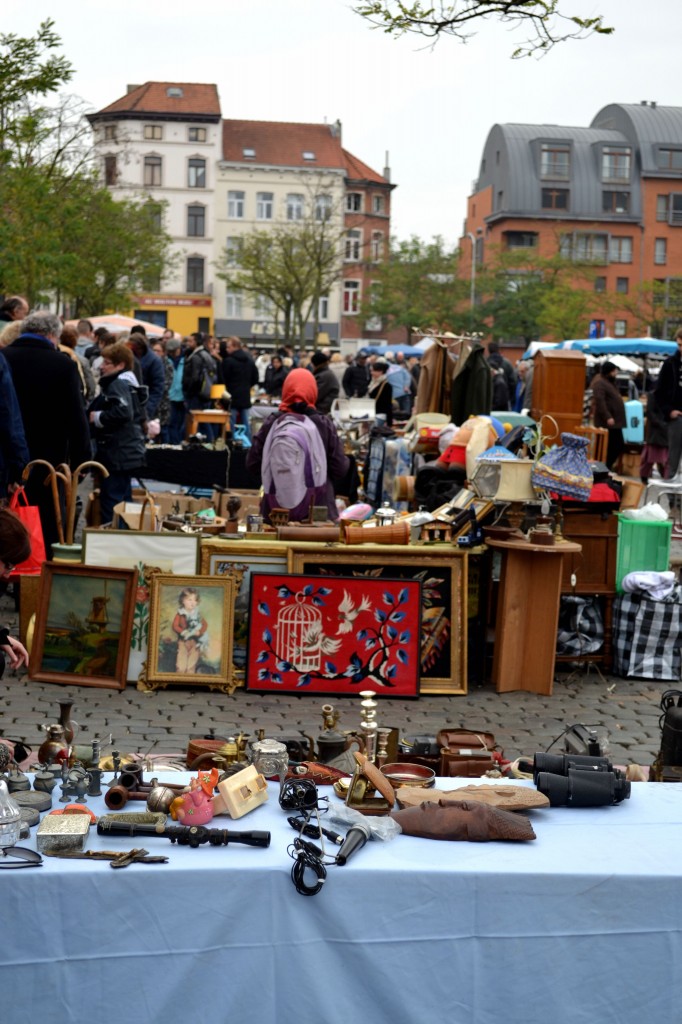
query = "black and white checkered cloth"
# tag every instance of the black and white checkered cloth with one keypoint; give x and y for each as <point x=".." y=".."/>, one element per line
<point x="647" y="636"/>
<point x="581" y="626"/>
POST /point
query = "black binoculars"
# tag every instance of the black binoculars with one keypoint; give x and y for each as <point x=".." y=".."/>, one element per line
<point x="578" y="780"/>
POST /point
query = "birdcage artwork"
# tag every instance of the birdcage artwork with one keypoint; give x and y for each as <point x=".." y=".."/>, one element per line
<point x="299" y="635"/>
<point x="333" y="636"/>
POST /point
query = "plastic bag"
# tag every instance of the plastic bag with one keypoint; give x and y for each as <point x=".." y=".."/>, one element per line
<point x="30" y="517"/>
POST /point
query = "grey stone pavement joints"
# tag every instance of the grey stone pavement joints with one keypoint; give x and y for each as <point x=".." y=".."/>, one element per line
<point x="626" y="712"/>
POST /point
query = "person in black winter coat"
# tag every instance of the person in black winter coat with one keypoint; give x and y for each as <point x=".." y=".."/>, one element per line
<point x="327" y="382"/>
<point x="497" y="362"/>
<point x="49" y="393"/>
<point x="356" y="379"/>
<point x="275" y="375"/>
<point x="153" y="374"/>
<point x="240" y="374"/>
<point x="118" y="416"/>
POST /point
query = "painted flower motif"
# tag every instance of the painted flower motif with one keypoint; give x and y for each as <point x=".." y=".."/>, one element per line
<point x="142" y="595"/>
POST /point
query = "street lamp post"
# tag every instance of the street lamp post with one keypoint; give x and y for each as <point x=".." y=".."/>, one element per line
<point x="472" y="239"/>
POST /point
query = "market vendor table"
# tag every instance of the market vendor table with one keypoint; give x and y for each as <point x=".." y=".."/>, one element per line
<point x="580" y="926"/>
<point x="196" y="466"/>
<point x="528" y="614"/>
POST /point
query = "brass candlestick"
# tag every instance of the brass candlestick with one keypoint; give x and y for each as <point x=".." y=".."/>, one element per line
<point x="368" y="722"/>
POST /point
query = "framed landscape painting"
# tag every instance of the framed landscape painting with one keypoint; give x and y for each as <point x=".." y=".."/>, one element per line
<point x="443" y="576"/>
<point x="333" y="636"/>
<point x="83" y="626"/>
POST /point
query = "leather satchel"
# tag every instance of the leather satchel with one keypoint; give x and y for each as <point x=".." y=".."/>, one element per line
<point x="464" y="753"/>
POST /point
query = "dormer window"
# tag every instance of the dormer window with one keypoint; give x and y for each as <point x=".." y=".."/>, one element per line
<point x="249" y="154"/>
<point x="174" y="92"/>
<point x="308" y="155"/>
<point x="555" y="161"/>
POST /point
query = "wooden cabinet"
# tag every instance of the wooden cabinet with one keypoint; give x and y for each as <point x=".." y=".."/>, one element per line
<point x="559" y="388"/>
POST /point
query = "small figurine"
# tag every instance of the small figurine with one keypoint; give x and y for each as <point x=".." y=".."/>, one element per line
<point x="196" y="807"/>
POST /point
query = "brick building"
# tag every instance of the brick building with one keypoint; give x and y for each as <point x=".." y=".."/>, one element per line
<point x="220" y="179"/>
<point x="610" y="194"/>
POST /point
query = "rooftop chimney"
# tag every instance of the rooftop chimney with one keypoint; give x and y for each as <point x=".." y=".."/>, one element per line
<point x="131" y="88"/>
<point x="387" y="169"/>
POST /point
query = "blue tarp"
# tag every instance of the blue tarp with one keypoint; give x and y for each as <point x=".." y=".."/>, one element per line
<point x="381" y="350"/>
<point x="615" y="346"/>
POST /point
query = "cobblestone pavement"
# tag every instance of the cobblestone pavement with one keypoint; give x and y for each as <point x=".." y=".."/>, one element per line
<point x="627" y="711"/>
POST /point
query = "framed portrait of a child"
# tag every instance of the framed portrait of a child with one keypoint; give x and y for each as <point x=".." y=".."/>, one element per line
<point x="190" y="632"/>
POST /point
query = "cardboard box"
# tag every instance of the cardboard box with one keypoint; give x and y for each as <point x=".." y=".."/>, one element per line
<point x="130" y="514"/>
<point x="171" y="502"/>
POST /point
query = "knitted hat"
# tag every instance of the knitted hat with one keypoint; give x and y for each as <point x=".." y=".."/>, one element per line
<point x="319" y="358"/>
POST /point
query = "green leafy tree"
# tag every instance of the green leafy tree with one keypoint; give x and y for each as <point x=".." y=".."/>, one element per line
<point x="417" y="287"/>
<point x="524" y="296"/>
<point x="547" y="23"/>
<point x="290" y="266"/>
<point x="647" y="309"/>
<point x="62" y="235"/>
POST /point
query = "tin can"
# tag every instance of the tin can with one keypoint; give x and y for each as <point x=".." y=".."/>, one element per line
<point x="254" y="524"/>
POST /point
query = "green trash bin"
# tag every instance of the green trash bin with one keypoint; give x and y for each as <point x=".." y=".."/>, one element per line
<point x="642" y="544"/>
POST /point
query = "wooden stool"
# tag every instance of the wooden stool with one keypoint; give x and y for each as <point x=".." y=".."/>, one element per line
<point x="197" y="416"/>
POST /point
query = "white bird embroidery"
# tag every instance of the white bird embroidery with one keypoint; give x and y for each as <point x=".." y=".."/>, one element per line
<point x="348" y="613"/>
<point x="315" y="639"/>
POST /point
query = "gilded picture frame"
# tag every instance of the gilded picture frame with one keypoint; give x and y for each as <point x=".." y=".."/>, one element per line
<point x="190" y="632"/>
<point x="442" y="572"/>
<point x="83" y="626"/>
<point x="242" y="558"/>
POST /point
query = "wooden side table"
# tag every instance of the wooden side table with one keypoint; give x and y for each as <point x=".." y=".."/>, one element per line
<point x="528" y="614"/>
<point x="197" y="416"/>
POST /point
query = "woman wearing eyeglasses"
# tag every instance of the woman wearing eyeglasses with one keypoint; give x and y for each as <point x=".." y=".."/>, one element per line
<point x="15" y="547"/>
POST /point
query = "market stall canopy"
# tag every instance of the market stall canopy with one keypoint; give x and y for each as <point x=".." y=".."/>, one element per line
<point x="609" y="346"/>
<point x="622" y="346"/>
<point x="116" y="322"/>
<point x="382" y="350"/>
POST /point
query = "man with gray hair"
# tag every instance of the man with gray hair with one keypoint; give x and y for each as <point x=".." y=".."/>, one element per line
<point x="50" y="398"/>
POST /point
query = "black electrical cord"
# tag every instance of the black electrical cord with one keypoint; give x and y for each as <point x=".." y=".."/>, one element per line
<point x="305" y="828"/>
<point x="306" y="858"/>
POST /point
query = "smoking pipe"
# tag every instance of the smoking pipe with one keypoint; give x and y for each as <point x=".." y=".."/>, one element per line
<point x="193" y="836"/>
<point x="131" y="787"/>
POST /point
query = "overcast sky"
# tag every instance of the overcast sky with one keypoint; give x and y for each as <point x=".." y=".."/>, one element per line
<point x="310" y="60"/>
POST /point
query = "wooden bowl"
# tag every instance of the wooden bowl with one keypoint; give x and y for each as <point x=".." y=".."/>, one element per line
<point x="409" y="775"/>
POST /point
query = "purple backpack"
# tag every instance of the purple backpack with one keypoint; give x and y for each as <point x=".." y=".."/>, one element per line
<point x="294" y="467"/>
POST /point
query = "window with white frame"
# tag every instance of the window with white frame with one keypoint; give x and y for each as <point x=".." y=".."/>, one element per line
<point x="662" y="207"/>
<point x="588" y="247"/>
<point x="351" y="296"/>
<point x="264" y="205"/>
<point x="110" y="170"/>
<point x="233" y="304"/>
<point x="620" y="249"/>
<point x="377" y="204"/>
<point x="555" y="161"/>
<point x="323" y="308"/>
<point x="195" y="273"/>
<point x="675" y="208"/>
<point x="196" y="221"/>
<point x="323" y="207"/>
<point x="263" y="307"/>
<point x="295" y="206"/>
<point x="110" y="133"/>
<point x="153" y="131"/>
<point x="195" y="134"/>
<point x="232" y="247"/>
<point x="620" y="328"/>
<point x="353" y="202"/>
<point x="152" y="171"/>
<point x="353" y="245"/>
<point x="377" y="253"/>
<point x="615" y="163"/>
<point x="661" y="251"/>
<point x="235" y="205"/>
<point x="196" y="173"/>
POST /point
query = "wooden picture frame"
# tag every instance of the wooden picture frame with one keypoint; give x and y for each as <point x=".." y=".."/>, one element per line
<point x="334" y="636"/>
<point x="190" y="632"/>
<point x="83" y="625"/>
<point x="242" y="558"/>
<point x="176" y="553"/>
<point x="443" y="574"/>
